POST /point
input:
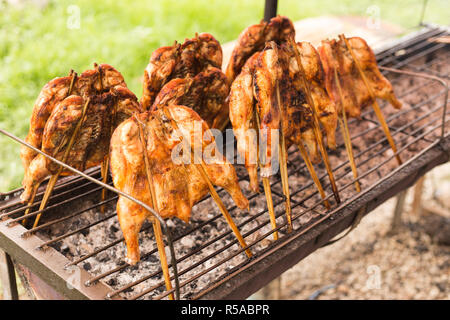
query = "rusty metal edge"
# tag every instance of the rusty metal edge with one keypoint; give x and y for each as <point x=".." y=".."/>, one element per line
<point x="49" y="265"/>
<point x="282" y="256"/>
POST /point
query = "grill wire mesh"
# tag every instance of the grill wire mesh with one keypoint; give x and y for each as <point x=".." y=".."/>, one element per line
<point x="206" y="249"/>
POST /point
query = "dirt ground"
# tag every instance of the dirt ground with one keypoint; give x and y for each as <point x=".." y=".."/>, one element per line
<point x="374" y="263"/>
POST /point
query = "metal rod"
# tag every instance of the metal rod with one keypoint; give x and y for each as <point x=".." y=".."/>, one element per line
<point x="270" y="9"/>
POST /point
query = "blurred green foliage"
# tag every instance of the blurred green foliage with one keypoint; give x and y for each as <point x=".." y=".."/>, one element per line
<point x="38" y="44"/>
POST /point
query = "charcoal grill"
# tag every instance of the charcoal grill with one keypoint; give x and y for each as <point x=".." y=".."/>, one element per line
<point x="79" y="252"/>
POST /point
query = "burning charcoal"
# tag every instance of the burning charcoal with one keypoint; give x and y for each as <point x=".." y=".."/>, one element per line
<point x="87" y="266"/>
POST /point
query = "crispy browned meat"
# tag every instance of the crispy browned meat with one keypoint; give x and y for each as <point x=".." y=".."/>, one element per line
<point x="55" y="116"/>
<point x="254" y="38"/>
<point x="177" y="185"/>
<point x="206" y="94"/>
<point x="179" y="61"/>
<point x="335" y="55"/>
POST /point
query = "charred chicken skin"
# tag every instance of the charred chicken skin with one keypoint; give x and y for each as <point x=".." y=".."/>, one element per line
<point x="206" y="93"/>
<point x="254" y="38"/>
<point x="179" y="61"/>
<point x="334" y="54"/>
<point x="177" y="185"/>
<point x="57" y="112"/>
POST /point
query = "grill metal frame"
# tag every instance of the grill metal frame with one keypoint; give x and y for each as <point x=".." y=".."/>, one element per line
<point x="55" y="269"/>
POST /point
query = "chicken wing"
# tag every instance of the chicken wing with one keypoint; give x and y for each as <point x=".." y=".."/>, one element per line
<point x="177" y="184"/>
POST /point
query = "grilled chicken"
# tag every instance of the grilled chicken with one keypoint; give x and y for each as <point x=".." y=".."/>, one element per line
<point x="179" y="61"/>
<point x="206" y="94"/>
<point x="176" y="183"/>
<point x="56" y="113"/>
<point x="335" y="55"/>
<point x="256" y="85"/>
<point x="315" y="77"/>
<point x="254" y="38"/>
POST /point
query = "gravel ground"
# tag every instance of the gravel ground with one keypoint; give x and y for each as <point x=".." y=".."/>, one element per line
<point x="374" y="263"/>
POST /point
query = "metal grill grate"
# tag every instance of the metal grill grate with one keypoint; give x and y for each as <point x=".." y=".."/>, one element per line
<point x="207" y="254"/>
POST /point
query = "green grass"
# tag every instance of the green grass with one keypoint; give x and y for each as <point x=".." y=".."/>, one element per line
<point x="36" y="45"/>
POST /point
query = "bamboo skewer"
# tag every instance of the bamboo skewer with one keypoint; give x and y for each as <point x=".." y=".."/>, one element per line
<point x="72" y="82"/>
<point x="201" y="167"/>
<point x="313" y="173"/>
<point x="316" y="124"/>
<point x="105" y="163"/>
<point x="156" y="224"/>
<point x="375" y="105"/>
<point x="267" y="188"/>
<point x="282" y="156"/>
<point x="54" y="178"/>
<point x="346" y="134"/>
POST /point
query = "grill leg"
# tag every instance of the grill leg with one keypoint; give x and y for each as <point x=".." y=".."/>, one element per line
<point x="417" y="201"/>
<point x="397" y="219"/>
<point x="8" y="277"/>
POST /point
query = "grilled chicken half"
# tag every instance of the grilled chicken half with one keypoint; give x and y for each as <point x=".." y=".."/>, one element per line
<point x="254" y="93"/>
<point x="179" y="61"/>
<point x="254" y="38"/>
<point x="206" y="93"/>
<point x="335" y="55"/>
<point x="177" y="184"/>
<point x="56" y="113"/>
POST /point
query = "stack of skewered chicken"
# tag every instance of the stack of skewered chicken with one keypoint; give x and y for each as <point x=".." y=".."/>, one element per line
<point x="289" y="92"/>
